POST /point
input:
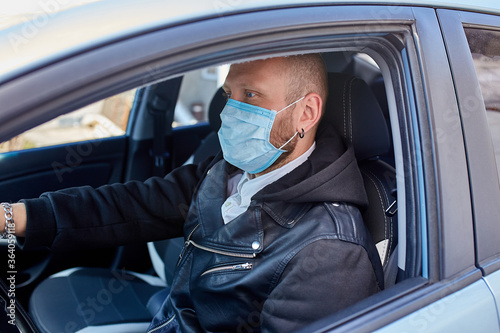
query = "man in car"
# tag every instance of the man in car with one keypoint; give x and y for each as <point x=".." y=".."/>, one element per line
<point x="274" y="237"/>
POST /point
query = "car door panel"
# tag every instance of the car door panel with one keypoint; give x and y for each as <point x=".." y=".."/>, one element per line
<point x="446" y="228"/>
<point x="453" y="313"/>
<point x="493" y="282"/>
<point x="28" y="173"/>
<point x="477" y="131"/>
<point x="480" y="151"/>
<point x="451" y="229"/>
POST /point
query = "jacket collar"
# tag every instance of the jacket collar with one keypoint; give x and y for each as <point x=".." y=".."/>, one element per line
<point x="242" y="235"/>
<point x="284" y="213"/>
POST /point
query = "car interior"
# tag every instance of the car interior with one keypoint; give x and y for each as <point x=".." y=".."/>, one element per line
<point x="122" y="287"/>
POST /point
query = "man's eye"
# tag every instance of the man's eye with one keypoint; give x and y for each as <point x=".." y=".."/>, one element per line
<point x="250" y="94"/>
<point x="226" y="95"/>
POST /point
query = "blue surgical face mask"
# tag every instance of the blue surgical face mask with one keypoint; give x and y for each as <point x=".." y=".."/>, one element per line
<point x="244" y="136"/>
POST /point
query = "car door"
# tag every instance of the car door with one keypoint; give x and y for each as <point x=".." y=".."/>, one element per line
<point x="465" y="305"/>
<point x="472" y="40"/>
<point x="113" y="140"/>
<point x="437" y="259"/>
<point x="85" y="147"/>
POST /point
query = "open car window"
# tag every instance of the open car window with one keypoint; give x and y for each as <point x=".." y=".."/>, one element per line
<point x="99" y="120"/>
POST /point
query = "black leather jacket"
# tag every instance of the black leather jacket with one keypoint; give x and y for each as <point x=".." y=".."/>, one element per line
<point x="299" y="253"/>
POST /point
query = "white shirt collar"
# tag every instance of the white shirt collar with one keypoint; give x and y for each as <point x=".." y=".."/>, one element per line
<point x="241" y="195"/>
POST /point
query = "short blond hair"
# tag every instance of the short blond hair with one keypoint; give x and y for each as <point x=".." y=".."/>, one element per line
<point x="306" y="73"/>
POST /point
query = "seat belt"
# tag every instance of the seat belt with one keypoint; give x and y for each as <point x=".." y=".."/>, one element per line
<point x="391" y="269"/>
<point x="159" y="109"/>
<point x="162" y="110"/>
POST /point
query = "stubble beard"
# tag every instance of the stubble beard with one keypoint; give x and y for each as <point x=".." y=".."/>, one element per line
<point x="282" y="134"/>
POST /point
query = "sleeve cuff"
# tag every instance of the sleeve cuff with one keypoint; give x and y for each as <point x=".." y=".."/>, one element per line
<point x="40" y="224"/>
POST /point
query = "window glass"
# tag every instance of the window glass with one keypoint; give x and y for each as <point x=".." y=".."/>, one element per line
<point x="485" y="48"/>
<point x="197" y="89"/>
<point x="103" y="119"/>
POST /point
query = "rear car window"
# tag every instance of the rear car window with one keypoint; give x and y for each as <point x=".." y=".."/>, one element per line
<point x="485" y="48"/>
<point x="197" y="90"/>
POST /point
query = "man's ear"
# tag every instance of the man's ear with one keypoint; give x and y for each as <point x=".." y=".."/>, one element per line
<point x="311" y="113"/>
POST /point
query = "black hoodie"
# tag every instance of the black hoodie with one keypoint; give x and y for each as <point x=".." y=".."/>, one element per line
<point x="299" y="253"/>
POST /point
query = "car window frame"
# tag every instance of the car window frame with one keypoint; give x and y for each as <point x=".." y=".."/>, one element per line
<point x="450" y="229"/>
<point x="480" y="153"/>
<point x="451" y="257"/>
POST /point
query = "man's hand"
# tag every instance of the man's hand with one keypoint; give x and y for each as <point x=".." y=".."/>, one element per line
<point x="19" y="216"/>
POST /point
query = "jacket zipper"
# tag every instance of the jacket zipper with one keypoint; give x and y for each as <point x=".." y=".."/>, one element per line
<point x="162" y="325"/>
<point x="226" y="253"/>
<point x="238" y="267"/>
<point x="186" y="244"/>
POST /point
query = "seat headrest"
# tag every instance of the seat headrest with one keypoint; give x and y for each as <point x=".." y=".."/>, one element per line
<point x="216" y="105"/>
<point x="355" y="113"/>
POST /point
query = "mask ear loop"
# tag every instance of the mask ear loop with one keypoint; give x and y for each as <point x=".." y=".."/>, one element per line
<point x="301" y="135"/>
<point x="286" y="107"/>
<point x="283" y="145"/>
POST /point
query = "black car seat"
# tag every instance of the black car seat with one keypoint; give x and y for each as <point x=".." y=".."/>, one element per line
<point x="355" y="112"/>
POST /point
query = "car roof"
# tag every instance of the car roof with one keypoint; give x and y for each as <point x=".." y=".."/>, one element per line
<point x="52" y="33"/>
